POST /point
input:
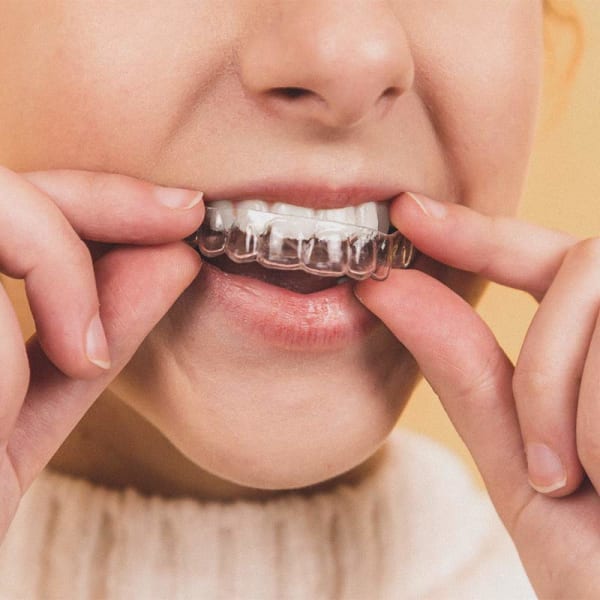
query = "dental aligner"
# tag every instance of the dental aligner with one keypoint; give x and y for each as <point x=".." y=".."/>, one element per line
<point x="325" y="248"/>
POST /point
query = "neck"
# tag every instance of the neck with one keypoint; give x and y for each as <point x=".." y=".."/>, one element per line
<point x="116" y="447"/>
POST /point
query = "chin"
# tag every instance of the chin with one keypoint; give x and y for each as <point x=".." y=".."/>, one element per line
<point x="264" y="417"/>
<point x="276" y="453"/>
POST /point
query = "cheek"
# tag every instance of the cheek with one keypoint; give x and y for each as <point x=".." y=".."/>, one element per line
<point x="483" y="90"/>
<point x="84" y="86"/>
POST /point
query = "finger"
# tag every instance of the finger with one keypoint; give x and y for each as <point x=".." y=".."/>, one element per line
<point x="588" y="412"/>
<point x="462" y="361"/>
<point x="15" y="368"/>
<point x="119" y="209"/>
<point x="504" y="250"/>
<point x="133" y="299"/>
<point x="39" y="245"/>
<point x="549" y="370"/>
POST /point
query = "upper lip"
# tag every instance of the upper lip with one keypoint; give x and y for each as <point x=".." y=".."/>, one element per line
<point x="310" y="195"/>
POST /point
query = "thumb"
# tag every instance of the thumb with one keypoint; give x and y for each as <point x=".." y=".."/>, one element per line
<point x="136" y="287"/>
<point x="461" y="359"/>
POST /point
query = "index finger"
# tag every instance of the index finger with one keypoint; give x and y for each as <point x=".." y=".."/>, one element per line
<point x="54" y="402"/>
<point x="505" y="250"/>
<point x="107" y="207"/>
<point x="460" y="357"/>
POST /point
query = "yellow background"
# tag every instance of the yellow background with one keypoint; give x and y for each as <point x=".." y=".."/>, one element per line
<point x="563" y="192"/>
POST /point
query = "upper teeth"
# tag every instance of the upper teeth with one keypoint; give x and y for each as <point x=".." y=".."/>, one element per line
<point x="342" y="221"/>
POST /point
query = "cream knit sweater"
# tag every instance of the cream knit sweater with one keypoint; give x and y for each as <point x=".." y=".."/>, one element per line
<point x="416" y="528"/>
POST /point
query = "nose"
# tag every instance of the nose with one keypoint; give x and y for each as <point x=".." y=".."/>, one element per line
<point x="332" y="62"/>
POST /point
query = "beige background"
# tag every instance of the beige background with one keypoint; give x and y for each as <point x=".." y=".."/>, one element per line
<point x="563" y="191"/>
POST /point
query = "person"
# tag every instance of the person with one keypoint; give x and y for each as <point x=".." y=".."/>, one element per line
<point x="219" y="430"/>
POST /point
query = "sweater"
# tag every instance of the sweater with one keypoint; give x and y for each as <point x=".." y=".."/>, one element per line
<point x="417" y="527"/>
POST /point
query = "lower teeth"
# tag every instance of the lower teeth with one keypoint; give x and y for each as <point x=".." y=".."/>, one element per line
<point x="329" y="252"/>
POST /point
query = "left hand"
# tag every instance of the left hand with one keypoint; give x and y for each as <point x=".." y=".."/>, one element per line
<point x="533" y="429"/>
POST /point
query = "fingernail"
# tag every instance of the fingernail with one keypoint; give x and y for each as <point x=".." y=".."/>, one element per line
<point x="96" y="347"/>
<point x="546" y="471"/>
<point x="178" y="198"/>
<point x="429" y="207"/>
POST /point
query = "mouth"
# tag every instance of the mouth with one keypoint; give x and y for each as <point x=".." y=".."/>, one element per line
<point x="302" y="248"/>
<point x="281" y="261"/>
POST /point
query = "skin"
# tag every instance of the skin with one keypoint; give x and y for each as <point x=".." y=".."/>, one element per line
<point x="426" y="136"/>
<point x="187" y="98"/>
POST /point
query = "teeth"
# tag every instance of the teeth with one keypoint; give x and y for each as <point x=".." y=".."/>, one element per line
<point x="222" y="218"/>
<point x="383" y="217"/>
<point x="281" y="208"/>
<point x="372" y="215"/>
<point x="367" y="215"/>
<point x="253" y="214"/>
<point x="343" y="242"/>
<point x="334" y="223"/>
<point x="303" y="227"/>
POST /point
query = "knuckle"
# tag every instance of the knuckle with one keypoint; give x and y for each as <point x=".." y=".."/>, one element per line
<point x="531" y="382"/>
<point x="49" y="238"/>
<point x="68" y="252"/>
<point x="63" y="234"/>
<point x="79" y="254"/>
<point x="477" y="385"/>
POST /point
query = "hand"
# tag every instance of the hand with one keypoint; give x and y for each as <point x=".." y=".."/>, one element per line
<point x="549" y="403"/>
<point x="44" y="216"/>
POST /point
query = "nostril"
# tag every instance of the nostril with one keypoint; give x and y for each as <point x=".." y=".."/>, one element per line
<point x="290" y="92"/>
<point x="391" y="92"/>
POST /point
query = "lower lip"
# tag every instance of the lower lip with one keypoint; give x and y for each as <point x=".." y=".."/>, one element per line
<point x="322" y="320"/>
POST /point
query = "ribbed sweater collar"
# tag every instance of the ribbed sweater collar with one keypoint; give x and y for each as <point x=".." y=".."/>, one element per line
<point x="393" y="535"/>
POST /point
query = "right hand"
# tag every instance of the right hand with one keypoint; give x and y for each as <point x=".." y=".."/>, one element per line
<point x="550" y="396"/>
<point x="47" y="385"/>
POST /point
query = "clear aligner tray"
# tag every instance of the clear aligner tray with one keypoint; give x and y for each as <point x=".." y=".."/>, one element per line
<point x="325" y="248"/>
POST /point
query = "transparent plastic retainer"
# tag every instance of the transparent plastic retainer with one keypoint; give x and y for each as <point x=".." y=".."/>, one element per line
<point x="324" y="248"/>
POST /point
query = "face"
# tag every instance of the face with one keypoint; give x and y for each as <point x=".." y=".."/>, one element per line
<point x="311" y="103"/>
